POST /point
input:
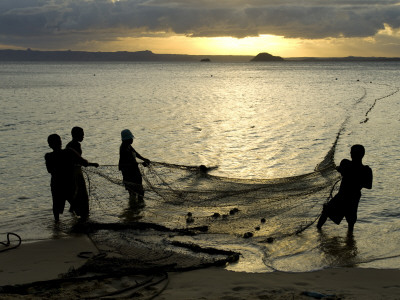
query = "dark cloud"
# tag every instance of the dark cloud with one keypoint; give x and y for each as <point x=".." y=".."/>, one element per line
<point x="64" y="23"/>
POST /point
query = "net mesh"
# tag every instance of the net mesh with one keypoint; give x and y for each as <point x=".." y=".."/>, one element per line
<point x="187" y="200"/>
<point x="182" y="196"/>
<point x="183" y="205"/>
<point x="178" y="196"/>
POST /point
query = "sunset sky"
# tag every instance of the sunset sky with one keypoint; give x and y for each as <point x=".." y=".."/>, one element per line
<point x="288" y="28"/>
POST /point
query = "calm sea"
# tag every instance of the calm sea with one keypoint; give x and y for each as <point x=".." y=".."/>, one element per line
<point x="252" y="120"/>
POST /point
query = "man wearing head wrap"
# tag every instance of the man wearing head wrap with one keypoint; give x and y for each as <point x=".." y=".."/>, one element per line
<point x="129" y="167"/>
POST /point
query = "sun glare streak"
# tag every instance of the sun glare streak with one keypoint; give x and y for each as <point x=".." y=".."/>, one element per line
<point x="245" y="46"/>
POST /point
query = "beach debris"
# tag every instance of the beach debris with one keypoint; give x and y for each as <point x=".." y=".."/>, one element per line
<point x="263" y="220"/>
<point x="9" y="242"/>
<point x="257" y="228"/>
<point x="270" y="240"/>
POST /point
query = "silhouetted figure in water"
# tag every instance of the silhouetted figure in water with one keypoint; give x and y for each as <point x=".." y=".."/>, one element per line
<point x="81" y="202"/>
<point x="355" y="176"/>
<point x="130" y="169"/>
<point x="60" y="164"/>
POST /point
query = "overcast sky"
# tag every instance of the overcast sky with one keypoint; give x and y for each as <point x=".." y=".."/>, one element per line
<point x="97" y="24"/>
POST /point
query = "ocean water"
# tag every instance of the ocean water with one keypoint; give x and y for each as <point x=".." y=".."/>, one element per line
<point x="250" y="120"/>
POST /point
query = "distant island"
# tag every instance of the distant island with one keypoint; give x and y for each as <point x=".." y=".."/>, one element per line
<point x="267" y="57"/>
<point x="148" y="56"/>
<point x="119" y="56"/>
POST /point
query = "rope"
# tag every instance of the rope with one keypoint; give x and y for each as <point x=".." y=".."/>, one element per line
<point x="7" y="244"/>
<point x="376" y="100"/>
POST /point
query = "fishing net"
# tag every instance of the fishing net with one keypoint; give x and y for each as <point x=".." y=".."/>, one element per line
<point x="139" y="244"/>
<point x="184" y="201"/>
<point x="187" y="196"/>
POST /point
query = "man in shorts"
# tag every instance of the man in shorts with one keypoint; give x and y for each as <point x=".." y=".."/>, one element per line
<point x="344" y="204"/>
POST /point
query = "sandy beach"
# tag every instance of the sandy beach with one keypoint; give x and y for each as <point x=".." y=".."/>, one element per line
<point x="35" y="270"/>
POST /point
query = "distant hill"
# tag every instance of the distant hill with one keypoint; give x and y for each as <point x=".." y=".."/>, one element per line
<point x="267" y="57"/>
<point x="31" y="55"/>
<point x="343" y="59"/>
<point x="123" y="56"/>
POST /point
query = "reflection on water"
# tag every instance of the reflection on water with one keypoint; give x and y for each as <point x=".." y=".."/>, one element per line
<point x="133" y="212"/>
<point x="339" y="251"/>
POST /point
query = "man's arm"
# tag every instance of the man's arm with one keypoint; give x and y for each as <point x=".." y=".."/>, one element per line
<point x="78" y="159"/>
<point x="147" y="161"/>
<point x="49" y="166"/>
<point x="368" y="178"/>
<point x="344" y="166"/>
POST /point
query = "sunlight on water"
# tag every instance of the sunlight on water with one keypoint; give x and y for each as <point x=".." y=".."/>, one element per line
<point x="249" y="120"/>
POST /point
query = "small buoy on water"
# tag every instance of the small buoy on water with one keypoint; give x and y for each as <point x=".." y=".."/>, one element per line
<point x="270" y="240"/>
<point x="248" y="235"/>
<point x="233" y="211"/>
<point x="203" y="168"/>
<point x="189" y="218"/>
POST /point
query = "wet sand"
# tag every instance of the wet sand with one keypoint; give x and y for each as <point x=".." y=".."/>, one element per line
<point x="47" y="261"/>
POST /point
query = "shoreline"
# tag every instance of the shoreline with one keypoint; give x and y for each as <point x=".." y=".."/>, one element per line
<point x="47" y="261"/>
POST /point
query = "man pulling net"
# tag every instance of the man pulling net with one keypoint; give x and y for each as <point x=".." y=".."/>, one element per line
<point x="129" y="168"/>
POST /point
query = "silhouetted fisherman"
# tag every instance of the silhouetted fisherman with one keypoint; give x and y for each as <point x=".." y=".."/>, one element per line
<point x="344" y="204"/>
<point x="81" y="201"/>
<point x="60" y="164"/>
<point x="129" y="167"/>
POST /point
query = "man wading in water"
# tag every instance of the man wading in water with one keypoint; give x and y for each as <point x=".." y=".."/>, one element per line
<point x="130" y="169"/>
<point x="355" y="176"/>
<point x="81" y="201"/>
<point x="60" y="164"/>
